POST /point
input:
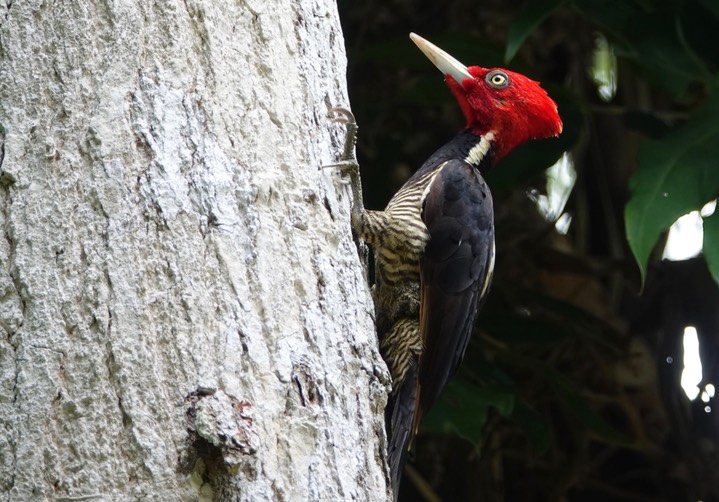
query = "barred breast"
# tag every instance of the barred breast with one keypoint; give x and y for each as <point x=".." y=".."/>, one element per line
<point x="400" y="233"/>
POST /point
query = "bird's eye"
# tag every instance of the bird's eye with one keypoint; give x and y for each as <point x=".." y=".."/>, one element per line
<point x="497" y="79"/>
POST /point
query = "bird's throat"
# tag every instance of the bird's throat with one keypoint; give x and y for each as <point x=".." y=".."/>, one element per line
<point x="479" y="154"/>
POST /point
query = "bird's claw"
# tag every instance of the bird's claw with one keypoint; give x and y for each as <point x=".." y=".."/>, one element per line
<point x="343" y="166"/>
<point x="345" y="116"/>
<point x="347" y="162"/>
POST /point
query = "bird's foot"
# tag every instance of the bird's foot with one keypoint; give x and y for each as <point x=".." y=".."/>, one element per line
<point x="348" y="162"/>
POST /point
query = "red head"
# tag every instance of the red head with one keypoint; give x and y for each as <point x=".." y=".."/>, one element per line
<point x="511" y="106"/>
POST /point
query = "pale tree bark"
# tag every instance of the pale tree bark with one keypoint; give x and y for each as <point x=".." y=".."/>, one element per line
<point x="183" y="314"/>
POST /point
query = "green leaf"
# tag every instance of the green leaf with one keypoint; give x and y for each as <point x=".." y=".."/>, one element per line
<point x="568" y="396"/>
<point x="646" y="123"/>
<point x="659" y="47"/>
<point x="463" y="408"/>
<point x="534" y="427"/>
<point x="476" y="368"/>
<point x="575" y="321"/>
<point x="614" y="16"/>
<point x="711" y="243"/>
<point x="579" y="408"/>
<point x="522" y="329"/>
<point x="532" y="424"/>
<point x="699" y="22"/>
<point x="655" y="36"/>
<point x="710" y="5"/>
<point x="676" y="175"/>
<point x="531" y="16"/>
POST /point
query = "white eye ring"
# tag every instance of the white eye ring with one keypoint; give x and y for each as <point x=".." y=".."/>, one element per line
<point x="497" y="79"/>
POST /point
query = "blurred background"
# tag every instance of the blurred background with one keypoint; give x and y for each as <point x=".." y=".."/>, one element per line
<point x="591" y="375"/>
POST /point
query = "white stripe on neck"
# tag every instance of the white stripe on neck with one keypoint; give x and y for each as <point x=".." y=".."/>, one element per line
<point x="478" y="151"/>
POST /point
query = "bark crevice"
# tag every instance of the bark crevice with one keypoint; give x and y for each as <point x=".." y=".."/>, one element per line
<point x="12" y="326"/>
<point x="167" y="230"/>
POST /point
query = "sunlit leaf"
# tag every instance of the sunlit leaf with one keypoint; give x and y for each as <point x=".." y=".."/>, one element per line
<point x="711" y="243"/>
<point x="526" y="22"/>
<point x="677" y="174"/>
<point x="604" y="68"/>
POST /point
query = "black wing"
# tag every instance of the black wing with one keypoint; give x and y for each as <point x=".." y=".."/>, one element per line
<point x="455" y="272"/>
<point x="399" y="419"/>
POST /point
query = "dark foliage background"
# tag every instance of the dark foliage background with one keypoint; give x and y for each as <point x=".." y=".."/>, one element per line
<point x="571" y="388"/>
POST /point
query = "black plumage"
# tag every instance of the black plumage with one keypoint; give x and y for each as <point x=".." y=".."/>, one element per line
<point x="434" y="242"/>
<point x="434" y="246"/>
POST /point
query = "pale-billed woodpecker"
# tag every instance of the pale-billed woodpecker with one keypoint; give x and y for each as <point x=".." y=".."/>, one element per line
<point x="434" y="242"/>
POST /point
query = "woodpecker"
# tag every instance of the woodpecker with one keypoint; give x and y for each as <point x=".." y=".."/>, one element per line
<point x="434" y="242"/>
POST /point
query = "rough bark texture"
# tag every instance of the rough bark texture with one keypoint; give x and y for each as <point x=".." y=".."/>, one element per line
<point x="182" y="311"/>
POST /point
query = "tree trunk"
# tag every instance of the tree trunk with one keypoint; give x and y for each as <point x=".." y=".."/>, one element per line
<point x="183" y="310"/>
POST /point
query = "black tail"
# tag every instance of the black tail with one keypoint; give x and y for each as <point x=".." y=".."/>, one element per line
<point x="399" y="415"/>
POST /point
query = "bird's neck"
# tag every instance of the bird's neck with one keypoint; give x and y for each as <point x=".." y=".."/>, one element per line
<point x="480" y="149"/>
<point x="475" y="149"/>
